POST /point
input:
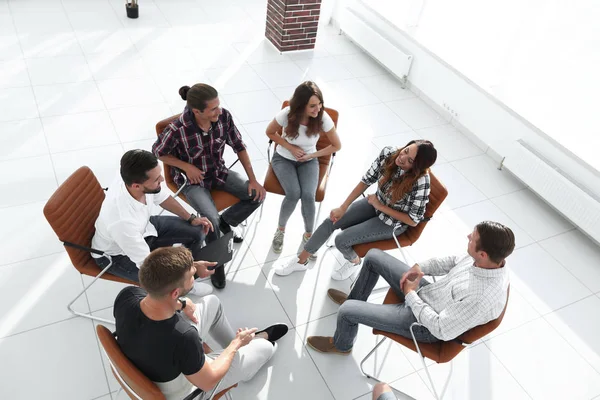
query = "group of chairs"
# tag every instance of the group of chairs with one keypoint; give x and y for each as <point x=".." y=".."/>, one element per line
<point x="75" y="206"/>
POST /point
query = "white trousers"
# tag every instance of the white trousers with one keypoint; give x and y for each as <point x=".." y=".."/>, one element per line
<point x="246" y="362"/>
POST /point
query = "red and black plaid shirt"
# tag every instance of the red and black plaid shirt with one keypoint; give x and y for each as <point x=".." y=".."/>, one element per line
<point x="183" y="139"/>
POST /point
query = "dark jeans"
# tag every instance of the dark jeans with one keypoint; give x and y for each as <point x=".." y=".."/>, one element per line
<point x="170" y="230"/>
<point x="202" y="201"/>
<point x="395" y="318"/>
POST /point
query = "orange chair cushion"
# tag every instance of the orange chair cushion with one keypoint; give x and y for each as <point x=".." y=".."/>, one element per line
<point x="272" y="183"/>
<point x="221" y="199"/>
<point x="437" y="195"/>
<point x="441" y="352"/>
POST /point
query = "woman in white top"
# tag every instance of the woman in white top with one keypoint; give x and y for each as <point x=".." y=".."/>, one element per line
<point x="295" y="161"/>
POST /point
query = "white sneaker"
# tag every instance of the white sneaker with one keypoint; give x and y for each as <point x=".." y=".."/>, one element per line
<point x="286" y="268"/>
<point x="201" y="289"/>
<point x="345" y="271"/>
<point x="278" y="241"/>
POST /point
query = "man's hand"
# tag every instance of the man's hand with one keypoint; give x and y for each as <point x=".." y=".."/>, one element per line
<point x="189" y="310"/>
<point x="202" y="268"/>
<point x="194" y="175"/>
<point x="208" y="227"/>
<point x="244" y="336"/>
<point x="413" y="271"/>
<point x="374" y="201"/>
<point x="258" y="189"/>
<point x="336" y="214"/>
<point x="411" y="279"/>
<point x="296" y="151"/>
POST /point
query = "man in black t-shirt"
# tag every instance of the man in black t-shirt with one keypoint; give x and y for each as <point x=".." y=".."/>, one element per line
<point x="161" y="332"/>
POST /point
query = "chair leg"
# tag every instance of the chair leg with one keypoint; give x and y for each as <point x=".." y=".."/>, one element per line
<point x="84" y="315"/>
<point x="435" y="394"/>
<point x="405" y="396"/>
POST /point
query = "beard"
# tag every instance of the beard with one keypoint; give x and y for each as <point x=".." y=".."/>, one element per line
<point x="154" y="191"/>
<point x="184" y="292"/>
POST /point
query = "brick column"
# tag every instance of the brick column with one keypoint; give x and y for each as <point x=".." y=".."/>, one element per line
<point x="292" y="24"/>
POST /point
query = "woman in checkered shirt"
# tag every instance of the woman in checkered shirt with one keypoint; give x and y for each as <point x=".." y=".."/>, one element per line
<point x="402" y="176"/>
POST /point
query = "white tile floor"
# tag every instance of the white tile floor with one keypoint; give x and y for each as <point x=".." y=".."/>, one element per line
<point x="80" y="84"/>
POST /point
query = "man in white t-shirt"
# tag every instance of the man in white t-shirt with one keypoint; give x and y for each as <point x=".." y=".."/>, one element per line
<point x="295" y="161"/>
<point x="127" y="231"/>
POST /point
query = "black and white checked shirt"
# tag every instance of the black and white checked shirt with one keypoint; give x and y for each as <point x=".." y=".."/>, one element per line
<point x="412" y="203"/>
<point x="466" y="297"/>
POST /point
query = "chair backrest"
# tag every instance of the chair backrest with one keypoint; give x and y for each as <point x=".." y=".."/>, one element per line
<point x="160" y="127"/>
<point x="437" y="195"/>
<point x="72" y="212"/>
<point x="323" y="139"/>
<point x="124" y="369"/>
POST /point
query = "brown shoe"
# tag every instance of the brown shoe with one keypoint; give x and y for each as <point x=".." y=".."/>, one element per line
<point x="337" y="296"/>
<point x="324" y="344"/>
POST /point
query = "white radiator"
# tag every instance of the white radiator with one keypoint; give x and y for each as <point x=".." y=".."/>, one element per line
<point x="574" y="201"/>
<point x="367" y="36"/>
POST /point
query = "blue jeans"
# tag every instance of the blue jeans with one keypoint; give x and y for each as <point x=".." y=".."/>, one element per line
<point x="202" y="201"/>
<point x="360" y="224"/>
<point x="299" y="181"/>
<point x="170" y="230"/>
<point x="394" y="318"/>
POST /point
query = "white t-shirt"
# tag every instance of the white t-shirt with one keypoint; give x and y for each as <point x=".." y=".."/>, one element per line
<point x="124" y="222"/>
<point x="304" y="141"/>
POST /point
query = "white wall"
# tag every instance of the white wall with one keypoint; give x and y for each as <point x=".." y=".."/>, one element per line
<point x="487" y="118"/>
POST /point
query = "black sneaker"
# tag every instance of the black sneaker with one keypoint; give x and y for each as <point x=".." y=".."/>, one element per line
<point x="218" y="278"/>
<point x="275" y="332"/>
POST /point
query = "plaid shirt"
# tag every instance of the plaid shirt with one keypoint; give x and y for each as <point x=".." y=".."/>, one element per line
<point x="466" y="297"/>
<point x="184" y="140"/>
<point x="412" y="203"/>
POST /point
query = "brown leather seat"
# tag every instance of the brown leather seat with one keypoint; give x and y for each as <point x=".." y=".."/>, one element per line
<point x="222" y="199"/>
<point x="437" y="195"/>
<point x="72" y="212"/>
<point x="272" y="183"/>
<point x="442" y="352"/>
<point x="131" y="379"/>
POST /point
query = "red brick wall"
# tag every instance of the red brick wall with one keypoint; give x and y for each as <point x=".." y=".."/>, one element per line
<point x="292" y="24"/>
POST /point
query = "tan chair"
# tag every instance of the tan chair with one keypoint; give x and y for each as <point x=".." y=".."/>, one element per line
<point x="221" y="198"/>
<point x="72" y="212"/>
<point x="133" y="381"/>
<point x="440" y="352"/>
<point x="325" y="164"/>
<point x="437" y="195"/>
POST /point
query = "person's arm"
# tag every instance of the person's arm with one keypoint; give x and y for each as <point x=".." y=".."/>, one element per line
<point x="397" y="215"/>
<point x="439" y="266"/>
<point x="452" y="321"/>
<point x="212" y="372"/>
<point x="335" y="146"/>
<point x="272" y="134"/>
<point x="163" y="149"/>
<point x="130" y="240"/>
<point x="339" y="212"/>
<point x="172" y="205"/>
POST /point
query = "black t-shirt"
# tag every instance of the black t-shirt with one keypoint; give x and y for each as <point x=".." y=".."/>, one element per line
<point x="160" y="349"/>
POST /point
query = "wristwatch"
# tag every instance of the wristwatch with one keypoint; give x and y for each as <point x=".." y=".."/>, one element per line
<point x="183" y="302"/>
<point x="191" y="218"/>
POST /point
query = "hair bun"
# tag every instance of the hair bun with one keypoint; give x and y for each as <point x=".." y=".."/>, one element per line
<point x="183" y="91"/>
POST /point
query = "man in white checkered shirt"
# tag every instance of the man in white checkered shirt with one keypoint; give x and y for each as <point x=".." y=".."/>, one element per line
<point x="472" y="291"/>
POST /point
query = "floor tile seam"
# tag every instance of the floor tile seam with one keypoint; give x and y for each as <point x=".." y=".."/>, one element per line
<point x="409" y="125"/>
<point x="507" y="370"/>
<point x="70" y="317"/>
<point x="308" y="352"/>
<point x="12" y="263"/>
<point x="565" y="266"/>
<point x="585" y="359"/>
<point x="90" y="148"/>
<point x="35" y="97"/>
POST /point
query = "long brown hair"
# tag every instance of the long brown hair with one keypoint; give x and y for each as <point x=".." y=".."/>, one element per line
<point x="298" y="104"/>
<point x="425" y="158"/>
